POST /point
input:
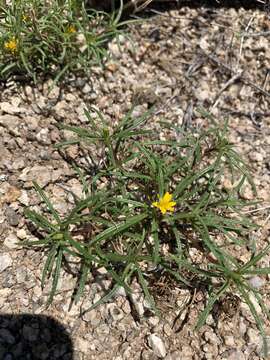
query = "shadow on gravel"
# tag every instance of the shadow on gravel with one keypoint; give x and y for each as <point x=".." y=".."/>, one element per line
<point x="211" y="6"/>
<point x="33" y="337"/>
<point x="165" y="5"/>
<point x="247" y="4"/>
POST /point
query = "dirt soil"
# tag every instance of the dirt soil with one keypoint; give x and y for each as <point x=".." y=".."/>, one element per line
<point x="177" y="61"/>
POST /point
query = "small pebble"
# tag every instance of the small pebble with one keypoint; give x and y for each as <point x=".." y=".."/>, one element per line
<point x="11" y="241"/>
<point x="157" y="345"/>
<point x="12" y="217"/>
<point x="5" y="262"/>
<point x="256" y="282"/>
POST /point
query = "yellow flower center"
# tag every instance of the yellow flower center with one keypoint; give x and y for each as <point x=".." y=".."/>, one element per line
<point x="165" y="204"/>
<point x="11" y="45"/>
<point x="25" y="18"/>
<point x="71" y="29"/>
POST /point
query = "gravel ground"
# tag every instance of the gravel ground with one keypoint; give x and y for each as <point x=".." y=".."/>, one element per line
<point x="177" y="61"/>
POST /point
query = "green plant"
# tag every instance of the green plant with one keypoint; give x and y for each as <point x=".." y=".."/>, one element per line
<point x="54" y="37"/>
<point x="128" y="228"/>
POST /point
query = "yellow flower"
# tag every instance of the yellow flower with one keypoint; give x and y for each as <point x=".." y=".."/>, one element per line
<point x="25" y="18"/>
<point x="11" y="45"/>
<point x="71" y="29"/>
<point x="165" y="204"/>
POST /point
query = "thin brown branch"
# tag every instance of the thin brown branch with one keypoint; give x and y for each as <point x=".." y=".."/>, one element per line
<point x="243" y="78"/>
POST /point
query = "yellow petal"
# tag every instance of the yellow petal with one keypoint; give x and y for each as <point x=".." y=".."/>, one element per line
<point x="167" y="197"/>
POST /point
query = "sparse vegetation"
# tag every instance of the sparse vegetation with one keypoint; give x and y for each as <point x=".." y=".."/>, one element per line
<point x="149" y="205"/>
<point x="129" y="230"/>
<point x="39" y="38"/>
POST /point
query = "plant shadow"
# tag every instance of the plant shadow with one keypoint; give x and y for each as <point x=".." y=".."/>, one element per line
<point x="33" y="337"/>
<point x="165" y="5"/>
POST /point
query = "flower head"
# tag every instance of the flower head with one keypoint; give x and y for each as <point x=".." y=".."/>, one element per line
<point x="11" y="45"/>
<point x="25" y="18"/>
<point x="165" y="204"/>
<point x="71" y="29"/>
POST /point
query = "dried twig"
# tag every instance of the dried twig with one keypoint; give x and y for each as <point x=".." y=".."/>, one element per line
<point x="137" y="5"/>
<point x="250" y="114"/>
<point x="256" y="210"/>
<point x="242" y="40"/>
<point x="232" y="80"/>
<point x="232" y="71"/>
<point x="163" y="106"/>
<point x="255" y="34"/>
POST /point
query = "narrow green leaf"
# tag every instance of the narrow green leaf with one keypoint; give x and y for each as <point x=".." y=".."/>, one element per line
<point x="154" y="233"/>
<point x="56" y="275"/>
<point x="210" y="303"/>
<point x="147" y="294"/>
<point x="260" y="271"/>
<point x="255" y="259"/>
<point x="49" y="264"/>
<point x="47" y="202"/>
<point x="39" y="220"/>
<point x="256" y="316"/>
<point x="103" y="300"/>
<point x="82" y="281"/>
<point x="117" y="229"/>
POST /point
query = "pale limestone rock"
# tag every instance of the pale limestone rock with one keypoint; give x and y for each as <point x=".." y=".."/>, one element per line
<point x="157" y="345"/>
